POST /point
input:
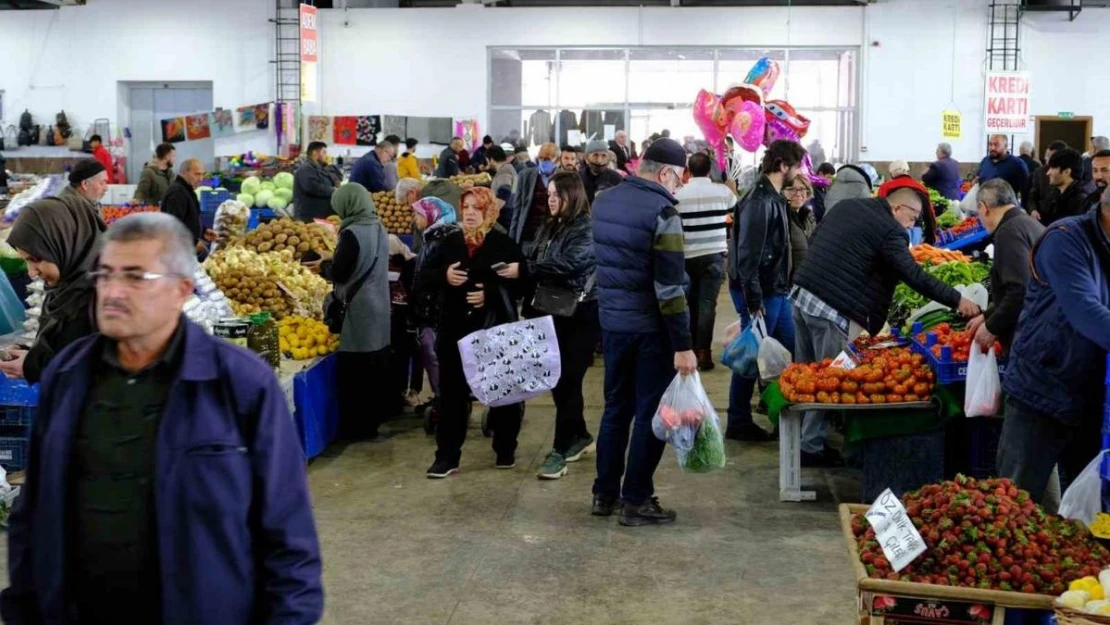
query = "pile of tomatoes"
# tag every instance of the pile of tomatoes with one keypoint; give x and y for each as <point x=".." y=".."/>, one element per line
<point x="889" y="376"/>
<point x="959" y="340"/>
<point x="969" y="224"/>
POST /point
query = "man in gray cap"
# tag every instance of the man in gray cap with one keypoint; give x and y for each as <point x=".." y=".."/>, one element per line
<point x="595" y="173"/>
<point x="88" y="182"/>
<point x="645" y="328"/>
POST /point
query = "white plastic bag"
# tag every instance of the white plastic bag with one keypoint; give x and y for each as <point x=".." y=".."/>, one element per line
<point x="984" y="388"/>
<point x="1083" y="499"/>
<point x="687" y="420"/>
<point x="970" y="204"/>
<point x="773" y="358"/>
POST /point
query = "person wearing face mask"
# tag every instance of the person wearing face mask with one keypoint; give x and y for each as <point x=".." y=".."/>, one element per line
<point x="645" y="327"/>
<point x="528" y="205"/>
<point x="474" y="298"/>
<point x="595" y="173"/>
<point x="60" y="244"/>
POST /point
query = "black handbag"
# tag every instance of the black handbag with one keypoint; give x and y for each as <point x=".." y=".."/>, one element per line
<point x="335" y="307"/>
<point x="559" y="302"/>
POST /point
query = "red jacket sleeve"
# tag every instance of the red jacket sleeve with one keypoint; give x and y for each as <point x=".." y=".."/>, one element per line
<point x="105" y="158"/>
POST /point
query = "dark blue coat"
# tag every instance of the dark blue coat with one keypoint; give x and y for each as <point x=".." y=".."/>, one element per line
<point x="1011" y="169"/>
<point x="369" y="172"/>
<point x="236" y="539"/>
<point x="944" y="176"/>
<point x="1058" y="362"/>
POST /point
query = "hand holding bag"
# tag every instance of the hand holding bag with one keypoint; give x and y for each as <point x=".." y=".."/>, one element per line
<point x="983" y="396"/>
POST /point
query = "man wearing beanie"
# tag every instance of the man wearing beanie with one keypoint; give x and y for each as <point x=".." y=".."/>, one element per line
<point x="645" y="325"/>
<point x="595" y="173"/>
<point x="88" y="181"/>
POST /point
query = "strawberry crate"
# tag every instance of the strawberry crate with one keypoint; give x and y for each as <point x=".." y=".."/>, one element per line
<point x="948" y="371"/>
<point x="947" y="240"/>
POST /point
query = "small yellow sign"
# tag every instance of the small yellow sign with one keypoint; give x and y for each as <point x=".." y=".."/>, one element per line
<point x="951" y="125"/>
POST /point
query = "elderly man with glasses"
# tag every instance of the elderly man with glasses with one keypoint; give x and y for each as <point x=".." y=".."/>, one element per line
<point x="856" y="258"/>
<point x="154" y="404"/>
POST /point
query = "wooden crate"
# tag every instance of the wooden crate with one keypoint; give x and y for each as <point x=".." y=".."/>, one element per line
<point x="927" y="603"/>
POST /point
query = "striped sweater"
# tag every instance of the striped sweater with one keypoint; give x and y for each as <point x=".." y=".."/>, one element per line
<point x="704" y="205"/>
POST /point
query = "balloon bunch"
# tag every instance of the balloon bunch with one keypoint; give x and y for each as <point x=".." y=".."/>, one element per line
<point x="746" y="113"/>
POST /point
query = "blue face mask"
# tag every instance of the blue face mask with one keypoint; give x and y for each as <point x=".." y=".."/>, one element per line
<point x="547" y="167"/>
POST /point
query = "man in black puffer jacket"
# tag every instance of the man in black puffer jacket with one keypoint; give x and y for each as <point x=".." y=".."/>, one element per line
<point x="858" y="254"/>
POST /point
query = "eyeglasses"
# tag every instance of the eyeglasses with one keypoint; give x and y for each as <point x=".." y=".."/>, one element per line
<point x="795" y="191"/>
<point x="915" y="212"/>
<point x="130" y="278"/>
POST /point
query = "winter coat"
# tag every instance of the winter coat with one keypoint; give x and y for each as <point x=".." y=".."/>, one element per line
<point x="851" y="184"/>
<point x="1041" y="193"/>
<point x="1057" y="364"/>
<point x="448" y="163"/>
<point x="944" y="176"/>
<point x="104" y="157"/>
<point x="426" y="298"/>
<point x="1010" y="168"/>
<point x="802" y="225"/>
<point x="241" y="550"/>
<point x="182" y="202"/>
<point x="74" y="200"/>
<point x="759" y="251"/>
<point x="623" y="157"/>
<point x="1013" y="241"/>
<point x="641" y="265"/>
<point x="153" y="184"/>
<point x="408" y="166"/>
<point x="563" y="259"/>
<point x="857" y="257"/>
<point x="369" y="172"/>
<point x="361" y="265"/>
<point x="457" y="317"/>
<point x="312" y="190"/>
<point x="596" y="183"/>
<point x="1068" y="203"/>
<point x="520" y="205"/>
<point x="53" y="338"/>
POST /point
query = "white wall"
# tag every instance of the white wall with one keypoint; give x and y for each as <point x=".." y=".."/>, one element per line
<point x="73" y="58"/>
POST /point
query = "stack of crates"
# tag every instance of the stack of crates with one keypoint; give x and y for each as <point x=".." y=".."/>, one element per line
<point x="18" y="404"/>
<point x="1105" y="468"/>
<point x="209" y="202"/>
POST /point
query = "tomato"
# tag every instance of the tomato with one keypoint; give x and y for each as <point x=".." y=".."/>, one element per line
<point x="826" y="362"/>
<point x="862" y="399"/>
<point x="876" y="375"/>
<point x="848" y="386"/>
<point x="847" y="398"/>
<point x="917" y="359"/>
<point x="920" y="388"/>
<point x="822" y="397"/>
<point x="900" y="389"/>
<point x="912" y="397"/>
<point x="894" y="398"/>
<point x="807" y="386"/>
<point x="878" y="399"/>
<point x="806" y="398"/>
<point x="837" y="373"/>
<point x="834" y="398"/>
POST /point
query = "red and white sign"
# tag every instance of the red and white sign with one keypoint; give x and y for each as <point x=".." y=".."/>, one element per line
<point x="1007" y="103"/>
<point x="309" y="40"/>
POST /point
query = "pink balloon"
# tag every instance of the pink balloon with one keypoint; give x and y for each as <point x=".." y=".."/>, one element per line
<point x="747" y="126"/>
<point x="713" y="121"/>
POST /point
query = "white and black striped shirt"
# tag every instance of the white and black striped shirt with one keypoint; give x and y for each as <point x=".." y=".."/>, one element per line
<point x="703" y="206"/>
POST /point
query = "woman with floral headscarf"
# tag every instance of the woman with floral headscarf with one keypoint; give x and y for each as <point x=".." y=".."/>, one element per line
<point x="474" y="298"/>
<point x="436" y="219"/>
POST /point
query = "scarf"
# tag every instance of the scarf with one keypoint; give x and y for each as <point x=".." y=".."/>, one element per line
<point x="434" y="211"/>
<point x="68" y="236"/>
<point x="476" y="237"/>
<point x="353" y="204"/>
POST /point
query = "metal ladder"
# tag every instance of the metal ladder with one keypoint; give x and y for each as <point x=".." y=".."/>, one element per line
<point x="287" y="59"/>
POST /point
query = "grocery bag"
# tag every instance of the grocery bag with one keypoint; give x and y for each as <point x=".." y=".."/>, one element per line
<point x="686" y="419"/>
<point x="983" y="396"/>
<point x="742" y="353"/>
<point x="512" y="362"/>
<point x="1083" y="499"/>
<point x="773" y="358"/>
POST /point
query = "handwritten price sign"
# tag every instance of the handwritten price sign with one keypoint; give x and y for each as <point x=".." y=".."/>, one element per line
<point x="895" y="532"/>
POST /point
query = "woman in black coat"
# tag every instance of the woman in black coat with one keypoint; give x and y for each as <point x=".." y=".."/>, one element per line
<point x="474" y="298"/>
<point x="60" y="245"/>
<point x="563" y="259"/>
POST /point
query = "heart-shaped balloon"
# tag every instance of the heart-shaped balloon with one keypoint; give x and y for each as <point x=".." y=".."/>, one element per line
<point x="713" y="121"/>
<point x="747" y="126"/>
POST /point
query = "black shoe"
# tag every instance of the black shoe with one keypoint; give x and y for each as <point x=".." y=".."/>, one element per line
<point x="647" y="513"/>
<point x="828" y="459"/>
<point x="441" y="469"/>
<point x="749" y="432"/>
<point x="505" y="461"/>
<point x="603" y="506"/>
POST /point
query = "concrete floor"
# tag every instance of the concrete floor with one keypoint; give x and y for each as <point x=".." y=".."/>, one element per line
<point x="502" y="547"/>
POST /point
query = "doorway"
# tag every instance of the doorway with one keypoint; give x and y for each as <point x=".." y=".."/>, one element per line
<point x="1075" y="131"/>
<point x="151" y="102"/>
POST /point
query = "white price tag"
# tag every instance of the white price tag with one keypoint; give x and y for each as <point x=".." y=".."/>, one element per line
<point x="895" y="531"/>
<point x="844" y="361"/>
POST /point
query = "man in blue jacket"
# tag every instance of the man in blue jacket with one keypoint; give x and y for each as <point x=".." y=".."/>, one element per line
<point x="1054" y="380"/>
<point x="1001" y="163"/>
<point x="369" y="171"/>
<point x="150" y="405"/>
<point x="645" y="325"/>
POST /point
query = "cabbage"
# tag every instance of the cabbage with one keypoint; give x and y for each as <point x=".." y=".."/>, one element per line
<point x="277" y="203"/>
<point x="268" y="185"/>
<point x="262" y="197"/>
<point x="251" y="185"/>
<point x="283" y="193"/>
<point x="283" y="180"/>
<point x="245" y="199"/>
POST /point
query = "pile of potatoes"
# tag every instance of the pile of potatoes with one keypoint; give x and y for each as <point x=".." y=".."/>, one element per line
<point x="472" y="180"/>
<point x="396" y="217"/>
<point x="287" y="234"/>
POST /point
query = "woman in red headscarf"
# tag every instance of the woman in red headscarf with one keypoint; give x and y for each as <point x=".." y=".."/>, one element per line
<point x="474" y="298"/>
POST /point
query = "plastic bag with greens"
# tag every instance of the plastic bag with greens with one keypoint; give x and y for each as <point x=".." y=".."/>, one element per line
<point x="686" y="419"/>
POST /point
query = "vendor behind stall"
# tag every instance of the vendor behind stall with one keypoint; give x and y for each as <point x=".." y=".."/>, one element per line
<point x="846" y="284"/>
<point x="88" y="182"/>
<point x="59" y="243"/>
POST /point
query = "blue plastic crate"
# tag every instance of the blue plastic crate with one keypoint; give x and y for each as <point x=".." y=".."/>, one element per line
<point x="13" y="452"/>
<point x="964" y="241"/>
<point x="16" y="392"/>
<point x="209" y="202"/>
<point x="17" y="416"/>
<point x="947" y="370"/>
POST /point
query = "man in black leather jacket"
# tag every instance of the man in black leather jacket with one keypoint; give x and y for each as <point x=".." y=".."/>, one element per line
<point x="759" y="271"/>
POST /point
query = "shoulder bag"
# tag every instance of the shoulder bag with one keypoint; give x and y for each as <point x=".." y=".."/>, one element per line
<point x="560" y="302"/>
<point x="335" y="307"/>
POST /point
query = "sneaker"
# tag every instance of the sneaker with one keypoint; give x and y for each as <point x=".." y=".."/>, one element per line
<point x="581" y="447"/>
<point x="748" y="432"/>
<point x="647" y="513"/>
<point x="554" y="467"/>
<point x="603" y="506"/>
<point x="505" y="461"/>
<point x="441" y="469"/>
<point x="828" y="459"/>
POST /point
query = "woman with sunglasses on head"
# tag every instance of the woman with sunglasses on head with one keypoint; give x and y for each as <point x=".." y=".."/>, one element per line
<point x="60" y="244"/>
<point x="562" y="263"/>
<point x="798" y="195"/>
